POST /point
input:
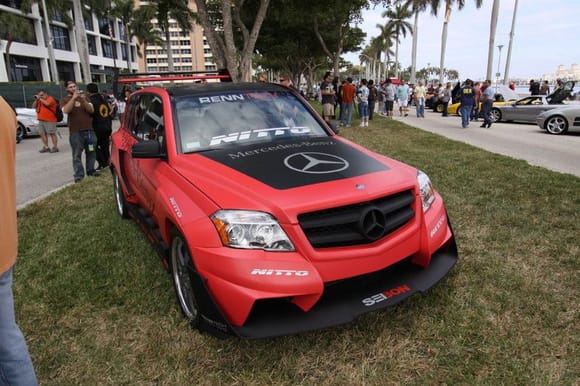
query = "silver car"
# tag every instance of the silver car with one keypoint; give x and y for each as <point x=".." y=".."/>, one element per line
<point x="27" y="123"/>
<point x="527" y="109"/>
<point x="560" y="120"/>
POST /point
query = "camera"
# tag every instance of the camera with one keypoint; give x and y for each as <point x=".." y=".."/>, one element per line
<point x="36" y="97"/>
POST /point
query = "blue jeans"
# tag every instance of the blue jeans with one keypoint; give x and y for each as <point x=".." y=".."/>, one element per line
<point x="83" y="141"/>
<point x="364" y="109"/>
<point x="486" y="111"/>
<point x="465" y="111"/>
<point x="346" y="113"/>
<point x="15" y="363"/>
<point x="420" y="108"/>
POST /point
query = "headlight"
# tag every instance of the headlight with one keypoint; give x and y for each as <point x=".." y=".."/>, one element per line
<point x="251" y="230"/>
<point x="426" y="190"/>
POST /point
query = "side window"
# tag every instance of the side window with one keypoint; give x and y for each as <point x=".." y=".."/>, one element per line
<point x="146" y="120"/>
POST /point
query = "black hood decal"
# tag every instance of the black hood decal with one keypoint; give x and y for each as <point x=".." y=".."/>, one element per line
<point x="291" y="164"/>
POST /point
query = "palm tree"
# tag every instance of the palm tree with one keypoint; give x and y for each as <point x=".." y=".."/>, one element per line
<point x="448" y="8"/>
<point x="399" y="25"/>
<point x="144" y="30"/>
<point x="124" y="11"/>
<point x="179" y="11"/>
<point x="12" y="27"/>
<point x="418" y="6"/>
<point x="386" y="36"/>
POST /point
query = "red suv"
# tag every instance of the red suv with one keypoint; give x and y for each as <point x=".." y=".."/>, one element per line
<point x="269" y="222"/>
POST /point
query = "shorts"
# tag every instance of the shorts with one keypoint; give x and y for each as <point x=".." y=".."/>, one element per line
<point x="45" y="127"/>
<point x="389" y="105"/>
<point x="403" y="102"/>
<point x="328" y="109"/>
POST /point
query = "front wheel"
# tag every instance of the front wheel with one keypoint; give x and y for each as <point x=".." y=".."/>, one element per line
<point x="495" y="115"/>
<point x="20" y="132"/>
<point x="182" y="271"/>
<point x="121" y="203"/>
<point x="556" y="125"/>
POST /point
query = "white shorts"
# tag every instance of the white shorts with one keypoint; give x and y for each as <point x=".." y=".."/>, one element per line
<point x="403" y="102"/>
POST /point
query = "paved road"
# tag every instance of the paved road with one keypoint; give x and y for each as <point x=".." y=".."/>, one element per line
<point x="559" y="153"/>
<point x="38" y="175"/>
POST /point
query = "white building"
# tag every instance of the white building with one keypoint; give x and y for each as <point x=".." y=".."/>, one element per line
<point x="30" y="58"/>
<point x="572" y="73"/>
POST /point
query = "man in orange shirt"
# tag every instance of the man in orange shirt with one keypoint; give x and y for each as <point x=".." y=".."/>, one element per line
<point x="15" y="364"/>
<point x="45" y="106"/>
<point x="348" y="92"/>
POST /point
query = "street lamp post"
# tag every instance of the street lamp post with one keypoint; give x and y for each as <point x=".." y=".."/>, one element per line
<point x="499" y="47"/>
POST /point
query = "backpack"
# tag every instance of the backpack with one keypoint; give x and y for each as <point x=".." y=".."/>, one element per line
<point x="102" y="109"/>
<point x="58" y="113"/>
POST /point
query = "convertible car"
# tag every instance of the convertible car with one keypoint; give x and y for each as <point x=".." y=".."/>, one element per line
<point x="527" y="109"/>
<point x="268" y="221"/>
<point x="560" y="120"/>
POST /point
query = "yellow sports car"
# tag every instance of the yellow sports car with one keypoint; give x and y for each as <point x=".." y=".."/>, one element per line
<point x="502" y="96"/>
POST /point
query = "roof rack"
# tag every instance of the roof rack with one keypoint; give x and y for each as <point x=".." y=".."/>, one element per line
<point x="222" y="75"/>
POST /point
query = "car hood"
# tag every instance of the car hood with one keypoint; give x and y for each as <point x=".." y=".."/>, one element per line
<point x="305" y="174"/>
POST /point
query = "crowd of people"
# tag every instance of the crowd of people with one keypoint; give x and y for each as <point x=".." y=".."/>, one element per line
<point x="365" y="97"/>
<point x="393" y="95"/>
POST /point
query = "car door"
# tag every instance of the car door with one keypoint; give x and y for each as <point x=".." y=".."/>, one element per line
<point x="145" y="123"/>
<point x="524" y="108"/>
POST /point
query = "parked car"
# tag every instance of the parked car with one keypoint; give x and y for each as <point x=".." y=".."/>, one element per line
<point x="27" y="123"/>
<point x="503" y="95"/>
<point x="559" y="120"/>
<point x="528" y="108"/>
<point x="269" y="222"/>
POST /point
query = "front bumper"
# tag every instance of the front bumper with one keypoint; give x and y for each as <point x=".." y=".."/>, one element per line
<point x="342" y="301"/>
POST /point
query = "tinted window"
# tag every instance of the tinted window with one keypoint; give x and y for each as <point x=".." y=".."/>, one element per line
<point x="210" y="120"/>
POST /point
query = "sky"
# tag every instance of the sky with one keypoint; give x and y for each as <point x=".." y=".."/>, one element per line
<point x="545" y="36"/>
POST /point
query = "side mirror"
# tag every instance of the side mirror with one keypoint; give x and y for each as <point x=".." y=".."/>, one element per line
<point x="146" y="149"/>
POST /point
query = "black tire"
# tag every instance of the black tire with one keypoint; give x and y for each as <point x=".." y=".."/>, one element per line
<point x="182" y="270"/>
<point x="439" y="108"/>
<point x="495" y="115"/>
<point x="556" y="125"/>
<point x="20" y="131"/>
<point x="120" y="202"/>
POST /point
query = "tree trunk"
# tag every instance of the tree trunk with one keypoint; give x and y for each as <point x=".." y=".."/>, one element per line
<point x="509" y="53"/>
<point x="169" y="50"/>
<point x="491" y="48"/>
<point x="128" y="47"/>
<point x="81" y="38"/>
<point x="9" y="66"/>
<point x="444" y="42"/>
<point x="414" y="48"/>
<point x="224" y="51"/>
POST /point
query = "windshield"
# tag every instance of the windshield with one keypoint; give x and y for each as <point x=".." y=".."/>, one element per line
<point x="212" y="120"/>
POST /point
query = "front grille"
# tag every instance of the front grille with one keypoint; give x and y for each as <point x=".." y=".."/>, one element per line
<point x="357" y="224"/>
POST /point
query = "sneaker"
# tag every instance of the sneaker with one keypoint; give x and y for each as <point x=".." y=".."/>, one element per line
<point x="77" y="180"/>
<point x="54" y="149"/>
<point x="44" y="150"/>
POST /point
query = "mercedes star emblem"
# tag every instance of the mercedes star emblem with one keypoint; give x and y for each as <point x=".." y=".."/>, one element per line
<point x="315" y="163"/>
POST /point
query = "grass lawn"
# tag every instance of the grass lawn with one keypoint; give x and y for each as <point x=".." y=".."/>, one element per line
<point x="98" y="308"/>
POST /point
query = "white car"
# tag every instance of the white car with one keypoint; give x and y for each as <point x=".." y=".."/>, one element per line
<point x="28" y="124"/>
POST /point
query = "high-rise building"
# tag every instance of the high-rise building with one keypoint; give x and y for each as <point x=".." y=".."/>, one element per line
<point x="30" y="59"/>
<point x="190" y="50"/>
